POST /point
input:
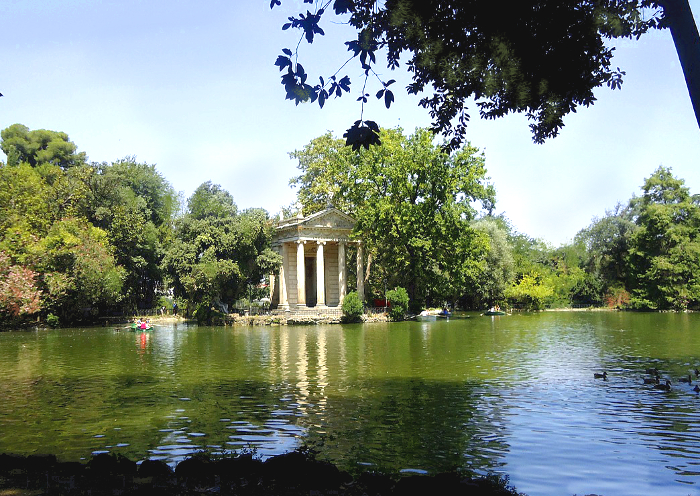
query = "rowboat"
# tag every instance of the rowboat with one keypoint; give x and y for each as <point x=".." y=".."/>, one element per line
<point x="135" y="327"/>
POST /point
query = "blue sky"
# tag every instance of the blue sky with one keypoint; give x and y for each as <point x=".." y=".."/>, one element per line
<point x="190" y="86"/>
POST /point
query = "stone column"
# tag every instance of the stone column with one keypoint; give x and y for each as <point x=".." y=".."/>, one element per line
<point x="284" y="303"/>
<point x="320" y="276"/>
<point x="301" y="276"/>
<point x="360" y="273"/>
<point x="342" y="276"/>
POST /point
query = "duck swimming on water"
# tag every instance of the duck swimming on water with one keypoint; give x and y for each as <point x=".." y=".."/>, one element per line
<point x="687" y="380"/>
<point x="604" y="375"/>
<point x="666" y="386"/>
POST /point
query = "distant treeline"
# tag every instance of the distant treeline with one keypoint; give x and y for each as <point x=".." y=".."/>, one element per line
<point x="80" y="240"/>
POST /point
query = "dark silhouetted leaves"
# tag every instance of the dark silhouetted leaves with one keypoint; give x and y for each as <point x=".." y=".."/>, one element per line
<point x="294" y="83"/>
<point x="342" y="6"/>
<point x="283" y="62"/>
<point x="541" y="58"/>
<point x="365" y="45"/>
<point x="274" y="2"/>
<point x="308" y="23"/>
<point x="615" y="81"/>
<point x="362" y="134"/>
<point x="388" y="98"/>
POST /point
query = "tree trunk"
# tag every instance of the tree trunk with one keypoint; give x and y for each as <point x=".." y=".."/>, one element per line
<point x="679" y="18"/>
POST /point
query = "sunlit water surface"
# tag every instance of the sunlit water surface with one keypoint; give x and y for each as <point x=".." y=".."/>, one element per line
<point x="511" y="395"/>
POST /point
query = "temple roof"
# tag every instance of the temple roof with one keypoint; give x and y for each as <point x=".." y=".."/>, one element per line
<point x="330" y="224"/>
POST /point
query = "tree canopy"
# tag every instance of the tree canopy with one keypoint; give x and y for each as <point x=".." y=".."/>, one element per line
<point x="39" y="147"/>
<point x="543" y="58"/>
<point x="665" y="251"/>
<point x="216" y="252"/>
<point x="413" y="203"/>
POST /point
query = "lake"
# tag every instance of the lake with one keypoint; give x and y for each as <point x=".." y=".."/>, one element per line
<point x="512" y="395"/>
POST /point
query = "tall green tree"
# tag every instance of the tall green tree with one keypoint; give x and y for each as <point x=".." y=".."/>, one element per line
<point x="81" y="277"/>
<point x="665" y="249"/>
<point x="413" y="203"/>
<point x="607" y="241"/>
<point x="39" y="147"/>
<point x="499" y="266"/>
<point x="136" y="206"/>
<point x="45" y="196"/>
<point x="217" y="253"/>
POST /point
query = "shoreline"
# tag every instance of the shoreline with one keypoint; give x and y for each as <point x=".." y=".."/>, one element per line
<point x="289" y="474"/>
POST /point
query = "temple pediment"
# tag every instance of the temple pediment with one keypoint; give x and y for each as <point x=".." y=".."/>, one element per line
<point x="329" y="224"/>
<point x="331" y="218"/>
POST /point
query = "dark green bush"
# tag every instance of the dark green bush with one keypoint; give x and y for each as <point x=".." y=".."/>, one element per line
<point x="352" y="308"/>
<point x="52" y="320"/>
<point x="398" y="303"/>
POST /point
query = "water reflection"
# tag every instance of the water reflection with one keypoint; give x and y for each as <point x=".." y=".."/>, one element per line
<point x="512" y="394"/>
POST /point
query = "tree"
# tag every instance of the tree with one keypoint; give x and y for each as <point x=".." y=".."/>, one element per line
<point x="568" y="279"/>
<point x="25" y="213"/>
<point x="665" y="249"/>
<point x="136" y="206"/>
<point x="19" y="294"/>
<point x="80" y="276"/>
<point x="543" y="58"/>
<point x="413" y="203"/>
<point x="607" y="241"/>
<point x="217" y="253"/>
<point x="499" y="267"/>
<point x="529" y="293"/>
<point x="211" y="201"/>
<point x="39" y="147"/>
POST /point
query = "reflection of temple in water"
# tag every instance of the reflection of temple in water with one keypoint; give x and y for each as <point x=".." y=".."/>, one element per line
<point x="314" y="266"/>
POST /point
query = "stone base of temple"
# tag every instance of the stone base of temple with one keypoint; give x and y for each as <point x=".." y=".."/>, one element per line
<point x="317" y="311"/>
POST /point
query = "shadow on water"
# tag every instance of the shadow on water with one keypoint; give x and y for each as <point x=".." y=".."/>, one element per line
<point x="393" y="425"/>
<point x="485" y="394"/>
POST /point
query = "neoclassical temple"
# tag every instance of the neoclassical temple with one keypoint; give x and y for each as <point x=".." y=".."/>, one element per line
<point x="314" y="268"/>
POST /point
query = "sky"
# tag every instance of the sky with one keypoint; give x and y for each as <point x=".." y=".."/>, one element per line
<point x="191" y="87"/>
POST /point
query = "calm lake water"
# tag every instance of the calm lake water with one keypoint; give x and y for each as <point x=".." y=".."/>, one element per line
<point x="511" y="395"/>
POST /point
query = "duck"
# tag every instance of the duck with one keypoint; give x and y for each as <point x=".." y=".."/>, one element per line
<point x="604" y="375"/>
<point x="666" y="386"/>
<point x="653" y="371"/>
<point x="687" y="380"/>
<point x="651" y="380"/>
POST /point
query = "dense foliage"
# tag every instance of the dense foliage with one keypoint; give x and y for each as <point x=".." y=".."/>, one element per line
<point x="398" y="303"/>
<point x="413" y="203"/>
<point x="543" y="58"/>
<point x="79" y="240"/>
<point x="217" y="253"/>
<point x="352" y="307"/>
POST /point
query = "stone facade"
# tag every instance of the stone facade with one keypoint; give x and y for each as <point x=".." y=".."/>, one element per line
<point x="314" y="265"/>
